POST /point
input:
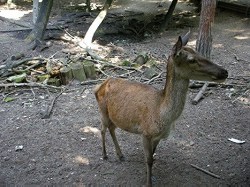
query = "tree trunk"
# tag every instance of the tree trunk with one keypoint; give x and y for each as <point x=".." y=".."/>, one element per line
<point x="35" y="10"/>
<point x="94" y="26"/>
<point x="88" y="5"/>
<point x="168" y="16"/>
<point x="36" y="35"/>
<point x="204" y="41"/>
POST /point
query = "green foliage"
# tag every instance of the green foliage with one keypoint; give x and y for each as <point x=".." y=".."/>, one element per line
<point x="8" y="99"/>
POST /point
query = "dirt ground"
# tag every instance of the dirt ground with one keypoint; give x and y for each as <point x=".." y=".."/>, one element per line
<point x="66" y="148"/>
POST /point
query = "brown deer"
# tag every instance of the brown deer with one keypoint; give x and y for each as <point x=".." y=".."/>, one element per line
<point x="145" y="110"/>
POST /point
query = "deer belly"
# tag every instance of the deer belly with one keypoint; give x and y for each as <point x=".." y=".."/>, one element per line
<point x="128" y="126"/>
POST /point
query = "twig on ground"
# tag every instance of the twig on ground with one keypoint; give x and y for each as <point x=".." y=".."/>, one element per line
<point x="125" y="74"/>
<point x="12" y="64"/>
<point x="200" y="94"/>
<point x="47" y="112"/>
<point x="91" y="81"/>
<point x="155" y="77"/>
<point x="205" y="171"/>
<point x="31" y="84"/>
<point x="16" y="30"/>
<point x="28" y="29"/>
<point x="93" y="54"/>
<point x="240" y="96"/>
<point x="99" y="69"/>
<point x="105" y="63"/>
<point x="212" y="84"/>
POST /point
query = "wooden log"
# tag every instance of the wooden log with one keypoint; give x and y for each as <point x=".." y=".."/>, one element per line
<point x="78" y="71"/>
<point x="66" y="75"/>
<point x="150" y="73"/>
<point x="89" y="69"/>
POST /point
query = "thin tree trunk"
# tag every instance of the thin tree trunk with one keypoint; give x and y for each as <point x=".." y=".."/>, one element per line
<point x="169" y="14"/>
<point x="88" y="5"/>
<point x="204" y="41"/>
<point x="36" y="35"/>
<point x="94" y="26"/>
<point x="35" y="10"/>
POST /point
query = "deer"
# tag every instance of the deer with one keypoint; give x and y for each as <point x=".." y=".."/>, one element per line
<point x="142" y="109"/>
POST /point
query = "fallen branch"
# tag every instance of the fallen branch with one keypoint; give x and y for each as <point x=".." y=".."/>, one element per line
<point x="91" y="81"/>
<point x="199" y="84"/>
<point x="46" y="113"/>
<point x="156" y="77"/>
<point x="16" y="30"/>
<point x="125" y="74"/>
<point x="240" y="96"/>
<point x="28" y="29"/>
<point x="105" y="63"/>
<point x="14" y="22"/>
<point x="4" y="71"/>
<point x="31" y="84"/>
<point x="197" y="98"/>
<point x="93" y="54"/>
<point x="205" y="171"/>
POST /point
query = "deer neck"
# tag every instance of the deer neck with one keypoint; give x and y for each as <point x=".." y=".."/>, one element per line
<point x="174" y="93"/>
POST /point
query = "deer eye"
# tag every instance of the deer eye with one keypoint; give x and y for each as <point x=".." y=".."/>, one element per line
<point x="192" y="61"/>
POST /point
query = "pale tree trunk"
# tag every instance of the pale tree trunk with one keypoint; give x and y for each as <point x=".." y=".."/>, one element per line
<point x="36" y="35"/>
<point x="86" y="42"/>
<point x="35" y="10"/>
<point x="204" y="41"/>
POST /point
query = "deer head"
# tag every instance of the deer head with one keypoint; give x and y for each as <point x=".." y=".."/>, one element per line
<point x="189" y="64"/>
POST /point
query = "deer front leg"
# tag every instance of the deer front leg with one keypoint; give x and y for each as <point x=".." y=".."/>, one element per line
<point x="155" y="143"/>
<point x="148" y="151"/>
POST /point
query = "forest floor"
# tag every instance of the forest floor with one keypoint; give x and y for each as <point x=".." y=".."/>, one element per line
<point x="65" y="149"/>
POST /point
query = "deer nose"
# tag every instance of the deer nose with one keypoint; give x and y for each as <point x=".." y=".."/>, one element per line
<point x="224" y="74"/>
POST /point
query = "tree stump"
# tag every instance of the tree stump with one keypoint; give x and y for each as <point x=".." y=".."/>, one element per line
<point x="66" y="75"/>
<point x="89" y="69"/>
<point x="78" y="71"/>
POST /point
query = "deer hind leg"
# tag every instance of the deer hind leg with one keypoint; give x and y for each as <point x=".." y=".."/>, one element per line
<point x="105" y="124"/>
<point x="148" y="151"/>
<point x="117" y="147"/>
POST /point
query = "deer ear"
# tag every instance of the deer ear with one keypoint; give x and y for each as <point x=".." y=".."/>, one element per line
<point x="177" y="47"/>
<point x="185" y="38"/>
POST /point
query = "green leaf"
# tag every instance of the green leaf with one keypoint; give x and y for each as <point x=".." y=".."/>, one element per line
<point x="8" y="99"/>
<point x="17" y="78"/>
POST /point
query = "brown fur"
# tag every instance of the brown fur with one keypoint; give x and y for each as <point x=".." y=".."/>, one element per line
<point x="142" y="109"/>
